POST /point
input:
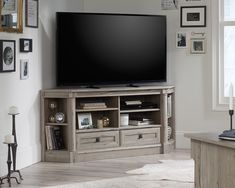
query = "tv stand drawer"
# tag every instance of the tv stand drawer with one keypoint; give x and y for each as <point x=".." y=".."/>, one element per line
<point x="140" y="137"/>
<point x="97" y="140"/>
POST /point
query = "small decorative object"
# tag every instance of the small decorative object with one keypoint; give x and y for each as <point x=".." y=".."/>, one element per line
<point x="9" y="139"/>
<point x="24" y="69"/>
<point x="31" y="14"/>
<point x="59" y="117"/>
<point x="51" y="119"/>
<point x="105" y="121"/>
<point x="7" y="56"/>
<point x="52" y="105"/>
<point x="26" y="45"/>
<point x="99" y="123"/>
<point x="193" y="16"/>
<point x="181" y="40"/>
<point x="84" y="120"/>
<point x="13" y="110"/>
<point x="124" y="120"/>
<point x="197" y="46"/>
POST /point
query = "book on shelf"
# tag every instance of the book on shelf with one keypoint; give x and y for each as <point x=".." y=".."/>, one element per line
<point x="54" y="138"/>
<point x="93" y="105"/>
<point x="137" y="102"/>
<point x="143" y="122"/>
<point x="140" y="118"/>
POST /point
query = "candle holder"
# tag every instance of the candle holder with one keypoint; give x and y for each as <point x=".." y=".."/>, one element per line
<point x="231" y="112"/>
<point x="14" y="145"/>
<point x="8" y="177"/>
<point x="229" y="134"/>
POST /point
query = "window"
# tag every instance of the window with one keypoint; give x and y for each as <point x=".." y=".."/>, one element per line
<point x="223" y="51"/>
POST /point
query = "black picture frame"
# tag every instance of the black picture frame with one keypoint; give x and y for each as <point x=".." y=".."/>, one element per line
<point x="31" y="13"/>
<point x="193" y="16"/>
<point x="26" y="45"/>
<point x="7" y="55"/>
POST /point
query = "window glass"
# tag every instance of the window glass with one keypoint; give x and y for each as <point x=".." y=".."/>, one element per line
<point x="229" y="57"/>
<point x="229" y="7"/>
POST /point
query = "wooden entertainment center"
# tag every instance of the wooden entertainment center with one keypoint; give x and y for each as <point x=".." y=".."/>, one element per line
<point x="66" y="139"/>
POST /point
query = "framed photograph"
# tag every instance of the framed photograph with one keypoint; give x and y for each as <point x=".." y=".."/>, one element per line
<point x="193" y="16"/>
<point x="84" y="120"/>
<point x="31" y="13"/>
<point x="181" y="40"/>
<point x="197" y="46"/>
<point x="7" y="55"/>
<point x="24" y="69"/>
<point x="26" y="45"/>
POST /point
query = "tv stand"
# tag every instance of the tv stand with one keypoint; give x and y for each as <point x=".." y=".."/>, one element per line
<point x="70" y="123"/>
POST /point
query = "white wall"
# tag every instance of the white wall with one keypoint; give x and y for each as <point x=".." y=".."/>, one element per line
<point x="26" y="93"/>
<point x="190" y="74"/>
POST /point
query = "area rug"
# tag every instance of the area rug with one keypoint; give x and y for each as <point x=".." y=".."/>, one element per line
<point x="166" y="174"/>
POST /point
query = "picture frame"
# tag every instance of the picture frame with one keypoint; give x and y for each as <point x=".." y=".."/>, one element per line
<point x="197" y="46"/>
<point x="26" y="45"/>
<point x="31" y="13"/>
<point x="181" y="40"/>
<point x="7" y="55"/>
<point x="84" y="120"/>
<point x="24" y="69"/>
<point x="193" y="16"/>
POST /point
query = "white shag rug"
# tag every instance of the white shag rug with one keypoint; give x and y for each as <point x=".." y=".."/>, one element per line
<point x="166" y="174"/>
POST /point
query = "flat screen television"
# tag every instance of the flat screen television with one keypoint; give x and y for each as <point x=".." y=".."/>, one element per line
<point x="101" y="48"/>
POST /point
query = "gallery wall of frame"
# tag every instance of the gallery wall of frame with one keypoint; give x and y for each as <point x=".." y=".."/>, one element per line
<point x="193" y="21"/>
<point x="9" y="48"/>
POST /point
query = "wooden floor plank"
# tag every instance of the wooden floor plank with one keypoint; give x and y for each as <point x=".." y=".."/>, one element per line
<point x="49" y="174"/>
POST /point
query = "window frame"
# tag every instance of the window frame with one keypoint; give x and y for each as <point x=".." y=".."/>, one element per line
<point x="219" y="101"/>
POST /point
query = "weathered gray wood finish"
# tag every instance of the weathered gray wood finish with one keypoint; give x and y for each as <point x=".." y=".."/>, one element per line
<point x="214" y="161"/>
<point x="115" y="140"/>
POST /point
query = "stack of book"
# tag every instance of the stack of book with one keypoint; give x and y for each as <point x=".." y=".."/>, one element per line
<point x="141" y="121"/>
<point x="228" y="135"/>
<point x="54" y="138"/>
<point x="92" y="105"/>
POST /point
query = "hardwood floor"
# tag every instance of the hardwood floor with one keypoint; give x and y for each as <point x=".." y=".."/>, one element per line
<point x="49" y="174"/>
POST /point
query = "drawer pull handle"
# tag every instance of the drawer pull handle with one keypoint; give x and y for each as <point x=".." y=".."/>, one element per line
<point x="97" y="140"/>
<point x="140" y="136"/>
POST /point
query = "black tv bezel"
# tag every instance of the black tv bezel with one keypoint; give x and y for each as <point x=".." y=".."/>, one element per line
<point x="112" y="83"/>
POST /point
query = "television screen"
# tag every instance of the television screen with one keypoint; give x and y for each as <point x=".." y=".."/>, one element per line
<point x="98" y="48"/>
